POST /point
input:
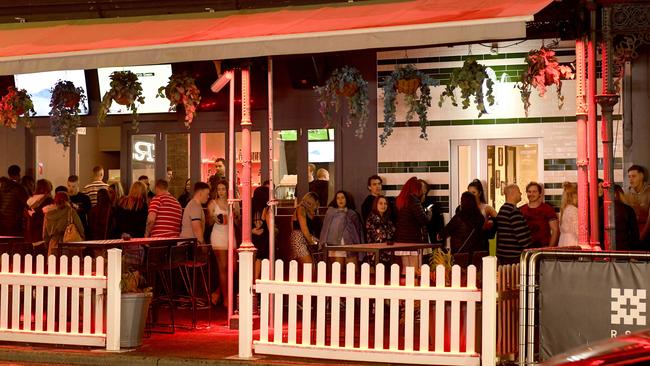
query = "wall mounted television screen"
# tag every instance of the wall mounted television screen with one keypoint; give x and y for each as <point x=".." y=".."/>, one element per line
<point x="38" y="85"/>
<point x="151" y="77"/>
<point x="321" y="151"/>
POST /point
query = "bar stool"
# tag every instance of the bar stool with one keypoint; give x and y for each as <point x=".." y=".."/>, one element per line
<point x="200" y="259"/>
<point x="157" y="264"/>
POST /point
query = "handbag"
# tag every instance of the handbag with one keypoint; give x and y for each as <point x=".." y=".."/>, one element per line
<point x="71" y="232"/>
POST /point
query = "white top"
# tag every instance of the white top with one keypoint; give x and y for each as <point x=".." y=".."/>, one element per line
<point x="569" y="227"/>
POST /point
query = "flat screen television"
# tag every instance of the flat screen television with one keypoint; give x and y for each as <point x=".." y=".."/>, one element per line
<point x="321" y="151"/>
<point x="38" y="85"/>
<point x="151" y="77"/>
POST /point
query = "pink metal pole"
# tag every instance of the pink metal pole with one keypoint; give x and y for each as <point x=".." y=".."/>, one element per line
<point x="272" y="201"/>
<point x="246" y="159"/>
<point x="581" y="118"/>
<point x="231" y="195"/>
<point x="593" y="134"/>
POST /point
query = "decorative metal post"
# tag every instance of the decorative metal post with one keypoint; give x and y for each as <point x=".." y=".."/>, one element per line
<point x="231" y="197"/>
<point x="581" y="119"/>
<point x="272" y="202"/>
<point x="246" y="250"/>
<point x="607" y="100"/>
<point x="592" y="141"/>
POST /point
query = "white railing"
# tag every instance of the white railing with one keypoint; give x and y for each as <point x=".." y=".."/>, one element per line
<point x="61" y="303"/>
<point x="508" y="312"/>
<point x="425" y="324"/>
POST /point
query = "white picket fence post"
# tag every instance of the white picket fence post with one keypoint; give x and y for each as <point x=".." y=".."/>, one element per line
<point x="246" y="265"/>
<point x="341" y="331"/>
<point x="489" y="314"/>
<point x="55" y="303"/>
<point x="113" y="299"/>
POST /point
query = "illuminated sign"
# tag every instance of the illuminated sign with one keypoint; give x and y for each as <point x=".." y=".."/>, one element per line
<point x="144" y="151"/>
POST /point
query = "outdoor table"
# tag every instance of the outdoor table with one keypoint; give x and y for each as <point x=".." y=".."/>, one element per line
<point x="378" y="248"/>
<point x="120" y="243"/>
<point x="8" y="243"/>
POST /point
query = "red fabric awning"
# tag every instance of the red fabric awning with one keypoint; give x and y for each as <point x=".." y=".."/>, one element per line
<point x="30" y="47"/>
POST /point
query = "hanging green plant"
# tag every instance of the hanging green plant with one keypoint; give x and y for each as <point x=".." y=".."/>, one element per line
<point x="469" y="79"/>
<point x="64" y="115"/>
<point x="125" y="90"/>
<point x="14" y="105"/>
<point x="345" y="82"/>
<point x="543" y="70"/>
<point x="182" y="89"/>
<point x="407" y="80"/>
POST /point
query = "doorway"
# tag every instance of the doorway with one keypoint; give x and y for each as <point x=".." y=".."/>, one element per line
<point x="497" y="163"/>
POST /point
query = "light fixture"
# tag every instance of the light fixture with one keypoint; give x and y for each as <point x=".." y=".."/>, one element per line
<point x="494" y="49"/>
<point x="221" y="82"/>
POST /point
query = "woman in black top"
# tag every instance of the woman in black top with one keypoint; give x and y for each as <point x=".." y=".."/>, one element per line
<point x="260" y="229"/>
<point x="131" y="212"/>
<point x="466" y="228"/>
<point x="303" y="235"/>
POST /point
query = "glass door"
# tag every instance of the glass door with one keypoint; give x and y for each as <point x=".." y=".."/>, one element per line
<point x="143" y="159"/>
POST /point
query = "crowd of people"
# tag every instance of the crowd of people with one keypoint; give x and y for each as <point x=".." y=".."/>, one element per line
<point x="99" y="210"/>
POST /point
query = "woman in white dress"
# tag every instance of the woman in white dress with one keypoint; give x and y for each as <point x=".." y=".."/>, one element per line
<point x="569" y="215"/>
<point x="218" y="214"/>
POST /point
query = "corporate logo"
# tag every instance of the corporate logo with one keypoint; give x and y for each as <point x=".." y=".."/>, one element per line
<point x="628" y="306"/>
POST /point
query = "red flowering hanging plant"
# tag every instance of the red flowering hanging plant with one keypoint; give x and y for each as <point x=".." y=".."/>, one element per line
<point x="16" y="104"/>
<point x="543" y="70"/>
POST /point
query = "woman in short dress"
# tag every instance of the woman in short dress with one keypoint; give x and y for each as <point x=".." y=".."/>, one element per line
<point x="379" y="226"/>
<point x="569" y="215"/>
<point x="302" y="235"/>
<point x="218" y="214"/>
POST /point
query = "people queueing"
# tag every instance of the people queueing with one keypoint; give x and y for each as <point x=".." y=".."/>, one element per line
<point x="101" y="218"/>
<point x="569" y="215"/>
<point x="260" y="233"/>
<point x="341" y="226"/>
<point x="412" y="219"/>
<point x="193" y="224"/>
<point x="131" y="212"/>
<point x="374" y="190"/>
<point x="638" y="196"/>
<point x="320" y="186"/>
<point x="513" y="233"/>
<point x="37" y="206"/>
<point x="541" y="217"/>
<point x="97" y="184"/>
<point x="165" y="213"/>
<point x="626" y="232"/>
<point x="13" y="201"/>
<point x="57" y="221"/>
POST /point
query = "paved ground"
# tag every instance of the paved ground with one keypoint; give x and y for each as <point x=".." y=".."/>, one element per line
<point x="207" y="345"/>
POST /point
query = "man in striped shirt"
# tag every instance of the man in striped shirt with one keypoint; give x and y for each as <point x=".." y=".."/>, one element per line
<point x="165" y="213"/>
<point x="98" y="183"/>
<point x="513" y="233"/>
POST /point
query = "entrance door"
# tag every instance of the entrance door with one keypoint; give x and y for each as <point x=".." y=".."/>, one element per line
<point x="497" y="163"/>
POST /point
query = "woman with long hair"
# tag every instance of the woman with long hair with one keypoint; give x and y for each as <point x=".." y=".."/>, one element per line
<point x="115" y="192"/>
<point x="57" y="220"/>
<point x="475" y="187"/>
<point x="36" y="209"/>
<point x="131" y="211"/>
<point x="260" y="231"/>
<point x="218" y="213"/>
<point x="341" y="226"/>
<point x="302" y="237"/>
<point x="379" y="225"/>
<point x="412" y="220"/>
<point x="186" y="196"/>
<point x="100" y="218"/>
<point x="569" y="215"/>
<point x="466" y="227"/>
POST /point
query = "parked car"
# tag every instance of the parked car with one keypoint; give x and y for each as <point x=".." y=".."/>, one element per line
<point x="630" y="349"/>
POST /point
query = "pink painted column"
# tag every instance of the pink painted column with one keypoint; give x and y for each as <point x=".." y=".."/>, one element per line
<point x="246" y="158"/>
<point x="593" y="134"/>
<point x="581" y="119"/>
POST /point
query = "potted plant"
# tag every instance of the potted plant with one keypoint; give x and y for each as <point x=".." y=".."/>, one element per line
<point x="543" y="70"/>
<point x="182" y="89"/>
<point x="125" y="90"/>
<point x="407" y="80"/>
<point x="135" y="301"/>
<point x="16" y="104"/>
<point x="64" y="112"/>
<point x="469" y="79"/>
<point x="346" y="82"/>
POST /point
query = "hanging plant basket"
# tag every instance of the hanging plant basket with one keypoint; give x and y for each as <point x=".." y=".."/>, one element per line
<point x="346" y="82"/>
<point x="14" y="105"/>
<point x="543" y="70"/>
<point x="64" y="113"/>
<point x="407" y="80"/>
<point x="182" y="90"/>
<point x="125" y="90"/>
<point x="469" y="79"/>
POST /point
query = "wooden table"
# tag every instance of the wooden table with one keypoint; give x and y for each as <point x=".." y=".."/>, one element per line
<point x="121" y="243"/>
<point x="378" y="248"/>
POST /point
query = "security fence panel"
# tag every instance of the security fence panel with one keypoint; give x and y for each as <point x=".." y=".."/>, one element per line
<point x="583" y="302"/>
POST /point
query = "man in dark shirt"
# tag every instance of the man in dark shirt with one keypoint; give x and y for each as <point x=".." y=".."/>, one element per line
<point x="13" y="201"/>
<point x="80" y="202"/>
<point x="513" y="233"/>
<point x="540" y="217"/>
<point x="374" y="187"/>
<point x="320" y="186"/>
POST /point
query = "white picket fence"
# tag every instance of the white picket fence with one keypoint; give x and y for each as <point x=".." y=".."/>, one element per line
<point x="508" y="312"/>
<point x="63" y="303"/>
<point x="426" y="325"/>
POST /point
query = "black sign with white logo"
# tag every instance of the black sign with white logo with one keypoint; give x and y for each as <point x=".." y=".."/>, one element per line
<point x="583" y="302"/>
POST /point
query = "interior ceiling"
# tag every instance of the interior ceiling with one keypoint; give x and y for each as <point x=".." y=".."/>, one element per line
<point x="48" y="10"/>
